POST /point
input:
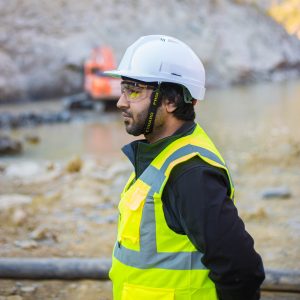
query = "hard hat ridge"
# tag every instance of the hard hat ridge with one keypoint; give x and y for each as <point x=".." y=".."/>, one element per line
<point x="160" y="58"/>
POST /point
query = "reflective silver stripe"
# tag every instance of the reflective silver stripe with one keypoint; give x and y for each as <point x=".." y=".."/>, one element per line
<point x="161" y="260"/>
<point x="155" y="177"/>
<point x="190" y="149"/>
<point x="148" y="257"/>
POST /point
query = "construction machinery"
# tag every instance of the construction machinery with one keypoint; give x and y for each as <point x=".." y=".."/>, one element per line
<point x="97" y="85"/>
<point x="99" y="89"/>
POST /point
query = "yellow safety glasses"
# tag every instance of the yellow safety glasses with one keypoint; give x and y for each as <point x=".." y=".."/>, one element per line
<point x="134" y="91"/>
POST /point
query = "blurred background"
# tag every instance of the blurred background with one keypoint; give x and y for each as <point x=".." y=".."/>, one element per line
<point x="61" y="168"/>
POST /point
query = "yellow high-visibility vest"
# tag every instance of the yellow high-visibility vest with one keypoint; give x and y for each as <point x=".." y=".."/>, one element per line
<point x="151" y="261"/>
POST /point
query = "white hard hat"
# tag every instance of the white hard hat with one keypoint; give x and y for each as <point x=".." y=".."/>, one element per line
<point x="160" y="58"/>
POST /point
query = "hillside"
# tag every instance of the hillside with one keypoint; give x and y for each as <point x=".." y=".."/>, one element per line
<point x="43" y="43"/>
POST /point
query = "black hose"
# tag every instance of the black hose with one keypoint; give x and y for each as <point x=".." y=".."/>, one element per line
<point x="287" y="281"/>
<point x="54" y="268"/>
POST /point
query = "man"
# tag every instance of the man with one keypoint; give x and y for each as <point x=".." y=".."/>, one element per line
<point x="179" y="234"/>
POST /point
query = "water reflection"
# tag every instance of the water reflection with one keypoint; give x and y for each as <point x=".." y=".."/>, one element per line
<point x="237" y="118"/>
<point x="240" y="117"/>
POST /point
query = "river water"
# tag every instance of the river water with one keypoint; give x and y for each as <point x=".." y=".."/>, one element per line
<point x="236" y="118"/>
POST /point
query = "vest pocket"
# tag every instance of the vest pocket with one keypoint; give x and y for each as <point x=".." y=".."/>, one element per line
<point x="135" y="292"/>
<point x="131" y="210"/>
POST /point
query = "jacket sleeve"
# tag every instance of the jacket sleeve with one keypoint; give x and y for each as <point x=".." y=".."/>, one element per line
<point x="196" y="203"/>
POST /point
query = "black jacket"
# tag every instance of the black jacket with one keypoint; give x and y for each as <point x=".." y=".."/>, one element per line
<point x="196" y="203"/>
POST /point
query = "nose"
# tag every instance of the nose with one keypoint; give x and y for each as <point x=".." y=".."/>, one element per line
<point x="122" y="102"/>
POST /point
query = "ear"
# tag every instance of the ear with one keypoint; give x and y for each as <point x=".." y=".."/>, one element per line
<point x="170" y="106"/>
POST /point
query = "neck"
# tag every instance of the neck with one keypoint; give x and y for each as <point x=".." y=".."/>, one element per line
<point x="161" y="132"/>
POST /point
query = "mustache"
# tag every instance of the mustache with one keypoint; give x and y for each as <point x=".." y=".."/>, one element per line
<point x="126" y="113"/>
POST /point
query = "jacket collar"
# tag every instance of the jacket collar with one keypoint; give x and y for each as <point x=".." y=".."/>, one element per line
<point x="142" y="150"/>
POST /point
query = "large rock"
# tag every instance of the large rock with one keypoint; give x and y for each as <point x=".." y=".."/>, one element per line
<point x="10" y="146"/>
<point x="43" y="44"/>
<point x="32" y="173"/>
<point x="12" y="82"/>
<point x="13" y="200"/>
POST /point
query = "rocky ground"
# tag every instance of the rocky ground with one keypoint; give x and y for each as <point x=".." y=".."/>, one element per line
<point x="62" y="211"/>
<point x="69" y="209"/>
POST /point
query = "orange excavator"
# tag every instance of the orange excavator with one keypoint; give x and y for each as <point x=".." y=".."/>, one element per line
<point x="97" y="85"/>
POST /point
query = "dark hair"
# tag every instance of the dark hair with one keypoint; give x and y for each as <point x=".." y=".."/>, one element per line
<point x="174" y="93"/>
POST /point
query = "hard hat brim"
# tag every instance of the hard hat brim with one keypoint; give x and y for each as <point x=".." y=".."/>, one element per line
<point x="195" y="91"/>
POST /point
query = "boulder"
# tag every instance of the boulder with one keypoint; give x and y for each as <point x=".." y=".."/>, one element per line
<point x="279" y="192"/>
<point x="10" y="146"/>
<point x="29" y="119"/>
<point x="24" y="170"/>
<point x="13" y="201"/>
<point x="31" y="173"/>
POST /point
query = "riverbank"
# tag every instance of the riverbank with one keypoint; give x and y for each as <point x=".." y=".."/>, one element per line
<point x="70" y="210"/>
<point x="59" y="198"/>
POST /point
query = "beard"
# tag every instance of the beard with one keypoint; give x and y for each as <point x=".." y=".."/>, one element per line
<point x="135" y="125"/>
